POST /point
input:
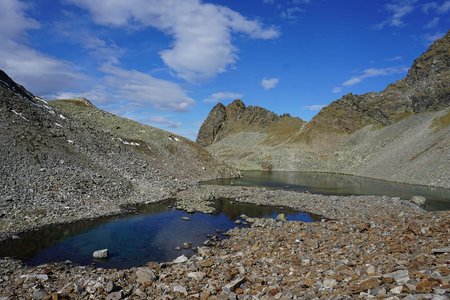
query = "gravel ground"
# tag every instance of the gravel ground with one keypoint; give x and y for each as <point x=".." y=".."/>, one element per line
<point x="366" y="247"/>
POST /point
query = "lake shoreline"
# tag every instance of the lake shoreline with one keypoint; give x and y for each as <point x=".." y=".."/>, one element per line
<point x="303" y="255"/>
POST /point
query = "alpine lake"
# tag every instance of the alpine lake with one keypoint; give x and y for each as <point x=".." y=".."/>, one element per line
<point x="157" y="232"/>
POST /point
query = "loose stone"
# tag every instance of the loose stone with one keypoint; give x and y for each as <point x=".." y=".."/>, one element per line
<point x="100" y="254"/>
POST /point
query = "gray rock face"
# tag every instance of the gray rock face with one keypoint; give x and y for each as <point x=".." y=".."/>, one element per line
<point x="210" y="128"/>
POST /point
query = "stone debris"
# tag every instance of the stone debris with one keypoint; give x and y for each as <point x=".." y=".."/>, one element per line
<point x="369" y="249"/>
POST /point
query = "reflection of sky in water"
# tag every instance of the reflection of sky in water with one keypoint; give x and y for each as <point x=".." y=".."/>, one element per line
<point x="335" y="184"/>
<point x="136" y="239"/>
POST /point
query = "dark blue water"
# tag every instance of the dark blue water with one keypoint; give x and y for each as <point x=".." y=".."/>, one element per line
<point x="134" y="240"/>
<point x="337" y="184"/>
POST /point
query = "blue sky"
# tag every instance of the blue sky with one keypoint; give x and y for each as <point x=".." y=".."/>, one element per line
<point x="166" y="63"/>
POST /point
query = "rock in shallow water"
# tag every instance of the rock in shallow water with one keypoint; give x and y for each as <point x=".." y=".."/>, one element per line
<point x="100" y="254"/>
<point x="419" y="200"/>
<point x="281" y="217"/>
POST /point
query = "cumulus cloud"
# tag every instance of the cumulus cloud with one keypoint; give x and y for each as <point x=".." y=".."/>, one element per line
<point x="223" y="96"/>
<point x="315" y="107"/>
<point x="269" y="83"/>
<point x="133" y="89"/>
<point x="374" y="72"/>
<point x="139" y="87"/>
<point x="201" y="32"/>
<point x="398" y="10"/>
<point x="40" y="73"/>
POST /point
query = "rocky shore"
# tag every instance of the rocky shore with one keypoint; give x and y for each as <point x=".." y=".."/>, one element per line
<point x="365" y="247"/>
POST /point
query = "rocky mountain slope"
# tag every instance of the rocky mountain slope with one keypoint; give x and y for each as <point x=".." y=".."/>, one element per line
<point x="68" y="159"/>
<point x="224" y="121"/>
<point x="399" y="134"/>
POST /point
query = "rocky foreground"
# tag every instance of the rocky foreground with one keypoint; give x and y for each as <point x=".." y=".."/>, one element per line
<point x="365" y="247"/>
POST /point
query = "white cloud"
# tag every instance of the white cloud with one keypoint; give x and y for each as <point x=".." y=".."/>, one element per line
<point x="394" y="58"/>
<point x="269" y="83"/>
<point x="431" y="37"/>
<point x="336" y="89"/>
<point x="13" y="22"/>
<point x="40" y="73"/>
<point x="433" y="23"/>
<point x="291" y="13"/>
<point x="374" y="72"/>
<point x="123" y="90"/>
<point x="315" y="107"/>
<point x="138" y="87"/>
<point x="160" y="120"/>
<point x="202" y="46"/>
<point x="223" y="96"/>
<point x="397" y="9"/>
<point x="438" y="8"/>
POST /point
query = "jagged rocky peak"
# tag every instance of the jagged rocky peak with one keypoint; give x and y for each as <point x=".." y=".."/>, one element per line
<point x="425" y="88"/>
<point x="234" y="118"/>
<point x="433" y="62"/>
<point x="212" y="125"/>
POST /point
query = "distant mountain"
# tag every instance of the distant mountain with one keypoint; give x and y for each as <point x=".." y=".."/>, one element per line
<point x="400" y="134"/>
<point x="70" y="151"/>
<point x="425" y="88"/>
<point x="223" y="121"/>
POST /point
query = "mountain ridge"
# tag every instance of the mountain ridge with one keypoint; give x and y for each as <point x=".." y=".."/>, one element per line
<point x="61" y="159"/>
<point x="359" y="134"/>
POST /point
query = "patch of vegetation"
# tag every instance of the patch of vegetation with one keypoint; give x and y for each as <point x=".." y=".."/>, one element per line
<point x="401" y="116"/>
<point x="441" y="122"/>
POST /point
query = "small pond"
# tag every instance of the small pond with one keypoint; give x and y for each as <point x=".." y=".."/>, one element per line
<point x="151" y="233"/>
<point x="337" y="184"/>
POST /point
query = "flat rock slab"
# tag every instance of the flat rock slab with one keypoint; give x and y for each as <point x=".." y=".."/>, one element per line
<point x="440" y="250"/>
